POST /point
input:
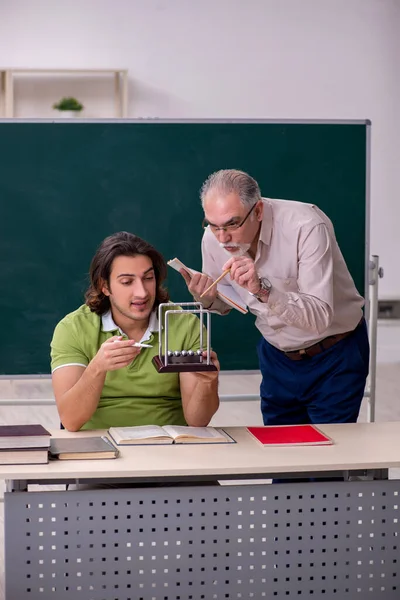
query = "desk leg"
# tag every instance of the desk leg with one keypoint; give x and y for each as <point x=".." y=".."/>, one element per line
<point x="366" y="475"/>
<point x="16" y="485"/>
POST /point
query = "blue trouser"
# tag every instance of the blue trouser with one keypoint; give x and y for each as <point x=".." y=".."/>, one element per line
<point x="327" y="388"/>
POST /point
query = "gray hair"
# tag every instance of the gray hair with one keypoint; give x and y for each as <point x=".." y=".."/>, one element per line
<point x="232" y="180"/>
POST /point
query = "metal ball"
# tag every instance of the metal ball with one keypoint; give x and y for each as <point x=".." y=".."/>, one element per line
<point x="190" y="353"/>
<point x="184" y="352"/>
<point x="170" y="353"/>
<point x="177" y="353"/>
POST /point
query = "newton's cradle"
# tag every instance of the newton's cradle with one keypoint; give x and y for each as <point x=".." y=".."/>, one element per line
<point x="169" y="360"/>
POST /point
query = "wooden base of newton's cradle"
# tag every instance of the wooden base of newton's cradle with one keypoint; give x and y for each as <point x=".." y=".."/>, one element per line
<point x="180" y="367"/>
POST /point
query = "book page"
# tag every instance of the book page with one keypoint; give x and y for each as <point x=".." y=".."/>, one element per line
<point x="200" y="433"/>
<point x="231" y="297"/>
<point x="176" y="264"/>
<point x="140" y="432"/>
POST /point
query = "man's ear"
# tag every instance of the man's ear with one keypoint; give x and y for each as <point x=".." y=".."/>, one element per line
<point x="104" y="288"/>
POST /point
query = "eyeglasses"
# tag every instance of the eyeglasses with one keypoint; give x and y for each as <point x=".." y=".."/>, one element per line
<point x="232" y="227"/>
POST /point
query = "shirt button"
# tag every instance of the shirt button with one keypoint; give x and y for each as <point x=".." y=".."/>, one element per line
<point x="287" y="282"/>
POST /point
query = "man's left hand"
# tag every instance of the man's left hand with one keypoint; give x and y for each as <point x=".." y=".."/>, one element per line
<point x="243" y="271"/>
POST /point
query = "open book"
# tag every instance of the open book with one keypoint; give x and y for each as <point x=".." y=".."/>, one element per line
<point x="290" y="435"/>
<point x="84" y="448"/>
<point x="226" y="293"/>
<point x="169" y="434"/>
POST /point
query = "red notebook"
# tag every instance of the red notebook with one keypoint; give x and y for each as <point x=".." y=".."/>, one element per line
<point x="290" y="435"/>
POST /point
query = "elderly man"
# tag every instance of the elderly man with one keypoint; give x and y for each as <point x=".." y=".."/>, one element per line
<point x="287" y="267"/>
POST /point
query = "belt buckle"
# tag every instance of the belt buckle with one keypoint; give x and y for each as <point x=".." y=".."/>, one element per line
<point x="304" y="354"/>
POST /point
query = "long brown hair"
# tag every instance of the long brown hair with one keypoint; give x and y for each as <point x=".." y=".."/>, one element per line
<point x="121" y="244"/>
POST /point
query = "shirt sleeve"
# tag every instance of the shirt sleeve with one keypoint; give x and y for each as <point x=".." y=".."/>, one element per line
<point x="311" y="308"/>
<point x="65" y="349"/>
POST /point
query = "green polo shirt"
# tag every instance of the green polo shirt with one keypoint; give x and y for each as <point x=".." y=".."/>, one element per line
<point x="136" y="394"/>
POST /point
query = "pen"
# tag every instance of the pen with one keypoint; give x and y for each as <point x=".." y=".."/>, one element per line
<point x="138" y="344"/>
<point x="215" y="282"/>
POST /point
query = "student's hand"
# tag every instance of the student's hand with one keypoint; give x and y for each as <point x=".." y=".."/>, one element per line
<point x="214" y="359"/>
<point x="243" y="272"/>
<point x="207" y="376"/>
<point x="115" y="353"/>
<point x="197" y="284"/>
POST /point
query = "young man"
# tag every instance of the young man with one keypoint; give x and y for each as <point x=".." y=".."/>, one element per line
<point x="99" y="378"/>
<point x="286" y="265"/>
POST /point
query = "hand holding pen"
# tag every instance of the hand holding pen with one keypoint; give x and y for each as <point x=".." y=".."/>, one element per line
<point x="117" y="353"/>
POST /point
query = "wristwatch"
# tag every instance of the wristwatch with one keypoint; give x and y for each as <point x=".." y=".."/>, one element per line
<point x="265" y="288"/>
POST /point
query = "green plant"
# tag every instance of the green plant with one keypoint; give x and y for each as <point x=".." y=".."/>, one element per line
<point x="68" y="104"/>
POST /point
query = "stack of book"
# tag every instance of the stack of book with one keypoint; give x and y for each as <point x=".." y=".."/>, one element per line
<point x="24" y="444"/>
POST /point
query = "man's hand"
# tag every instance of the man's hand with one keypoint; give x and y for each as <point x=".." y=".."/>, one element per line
<point x="197" y="283"/>
<point x="115" y="353"/>
<point x="242" y="270"/>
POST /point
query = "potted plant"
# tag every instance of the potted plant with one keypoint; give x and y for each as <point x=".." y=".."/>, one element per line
<point x="68" y="107"/>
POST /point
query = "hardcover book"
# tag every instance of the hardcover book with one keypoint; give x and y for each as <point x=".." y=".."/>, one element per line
<point x="24" y="436"/>
<point x="290" y="435"/>
<point x="84" y="448"/>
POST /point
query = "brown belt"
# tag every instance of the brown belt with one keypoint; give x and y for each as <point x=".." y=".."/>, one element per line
<point x="319" y="347"/>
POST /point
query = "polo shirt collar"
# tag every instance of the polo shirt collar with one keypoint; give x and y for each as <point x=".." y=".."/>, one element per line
<point x="266" y="224"/>
<point x="109" y="325"/>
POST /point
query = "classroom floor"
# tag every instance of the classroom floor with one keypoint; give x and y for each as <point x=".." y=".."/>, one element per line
<point x="230" y="413"/>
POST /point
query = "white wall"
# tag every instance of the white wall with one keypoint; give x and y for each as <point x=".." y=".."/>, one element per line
<point x="228" y="58"/>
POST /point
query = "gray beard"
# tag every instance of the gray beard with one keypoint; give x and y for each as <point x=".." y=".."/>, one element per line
<point x="242" y="249"/>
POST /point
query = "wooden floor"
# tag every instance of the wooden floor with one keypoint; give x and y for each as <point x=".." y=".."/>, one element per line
<point x="230" y="413"/>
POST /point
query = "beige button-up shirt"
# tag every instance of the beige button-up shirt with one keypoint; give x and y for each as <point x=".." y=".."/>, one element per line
<point x="313" y="294"/>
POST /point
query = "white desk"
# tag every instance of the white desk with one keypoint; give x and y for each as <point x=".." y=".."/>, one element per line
<point x="356" y="446"/>
<point x="325" y="539"/>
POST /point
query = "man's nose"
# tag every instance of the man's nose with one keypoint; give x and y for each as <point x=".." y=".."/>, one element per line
<point x="223" y="236"/>
<point x="139" y="290"/>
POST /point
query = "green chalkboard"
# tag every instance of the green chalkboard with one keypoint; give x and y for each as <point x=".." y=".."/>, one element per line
<point x="65" y="186"/>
